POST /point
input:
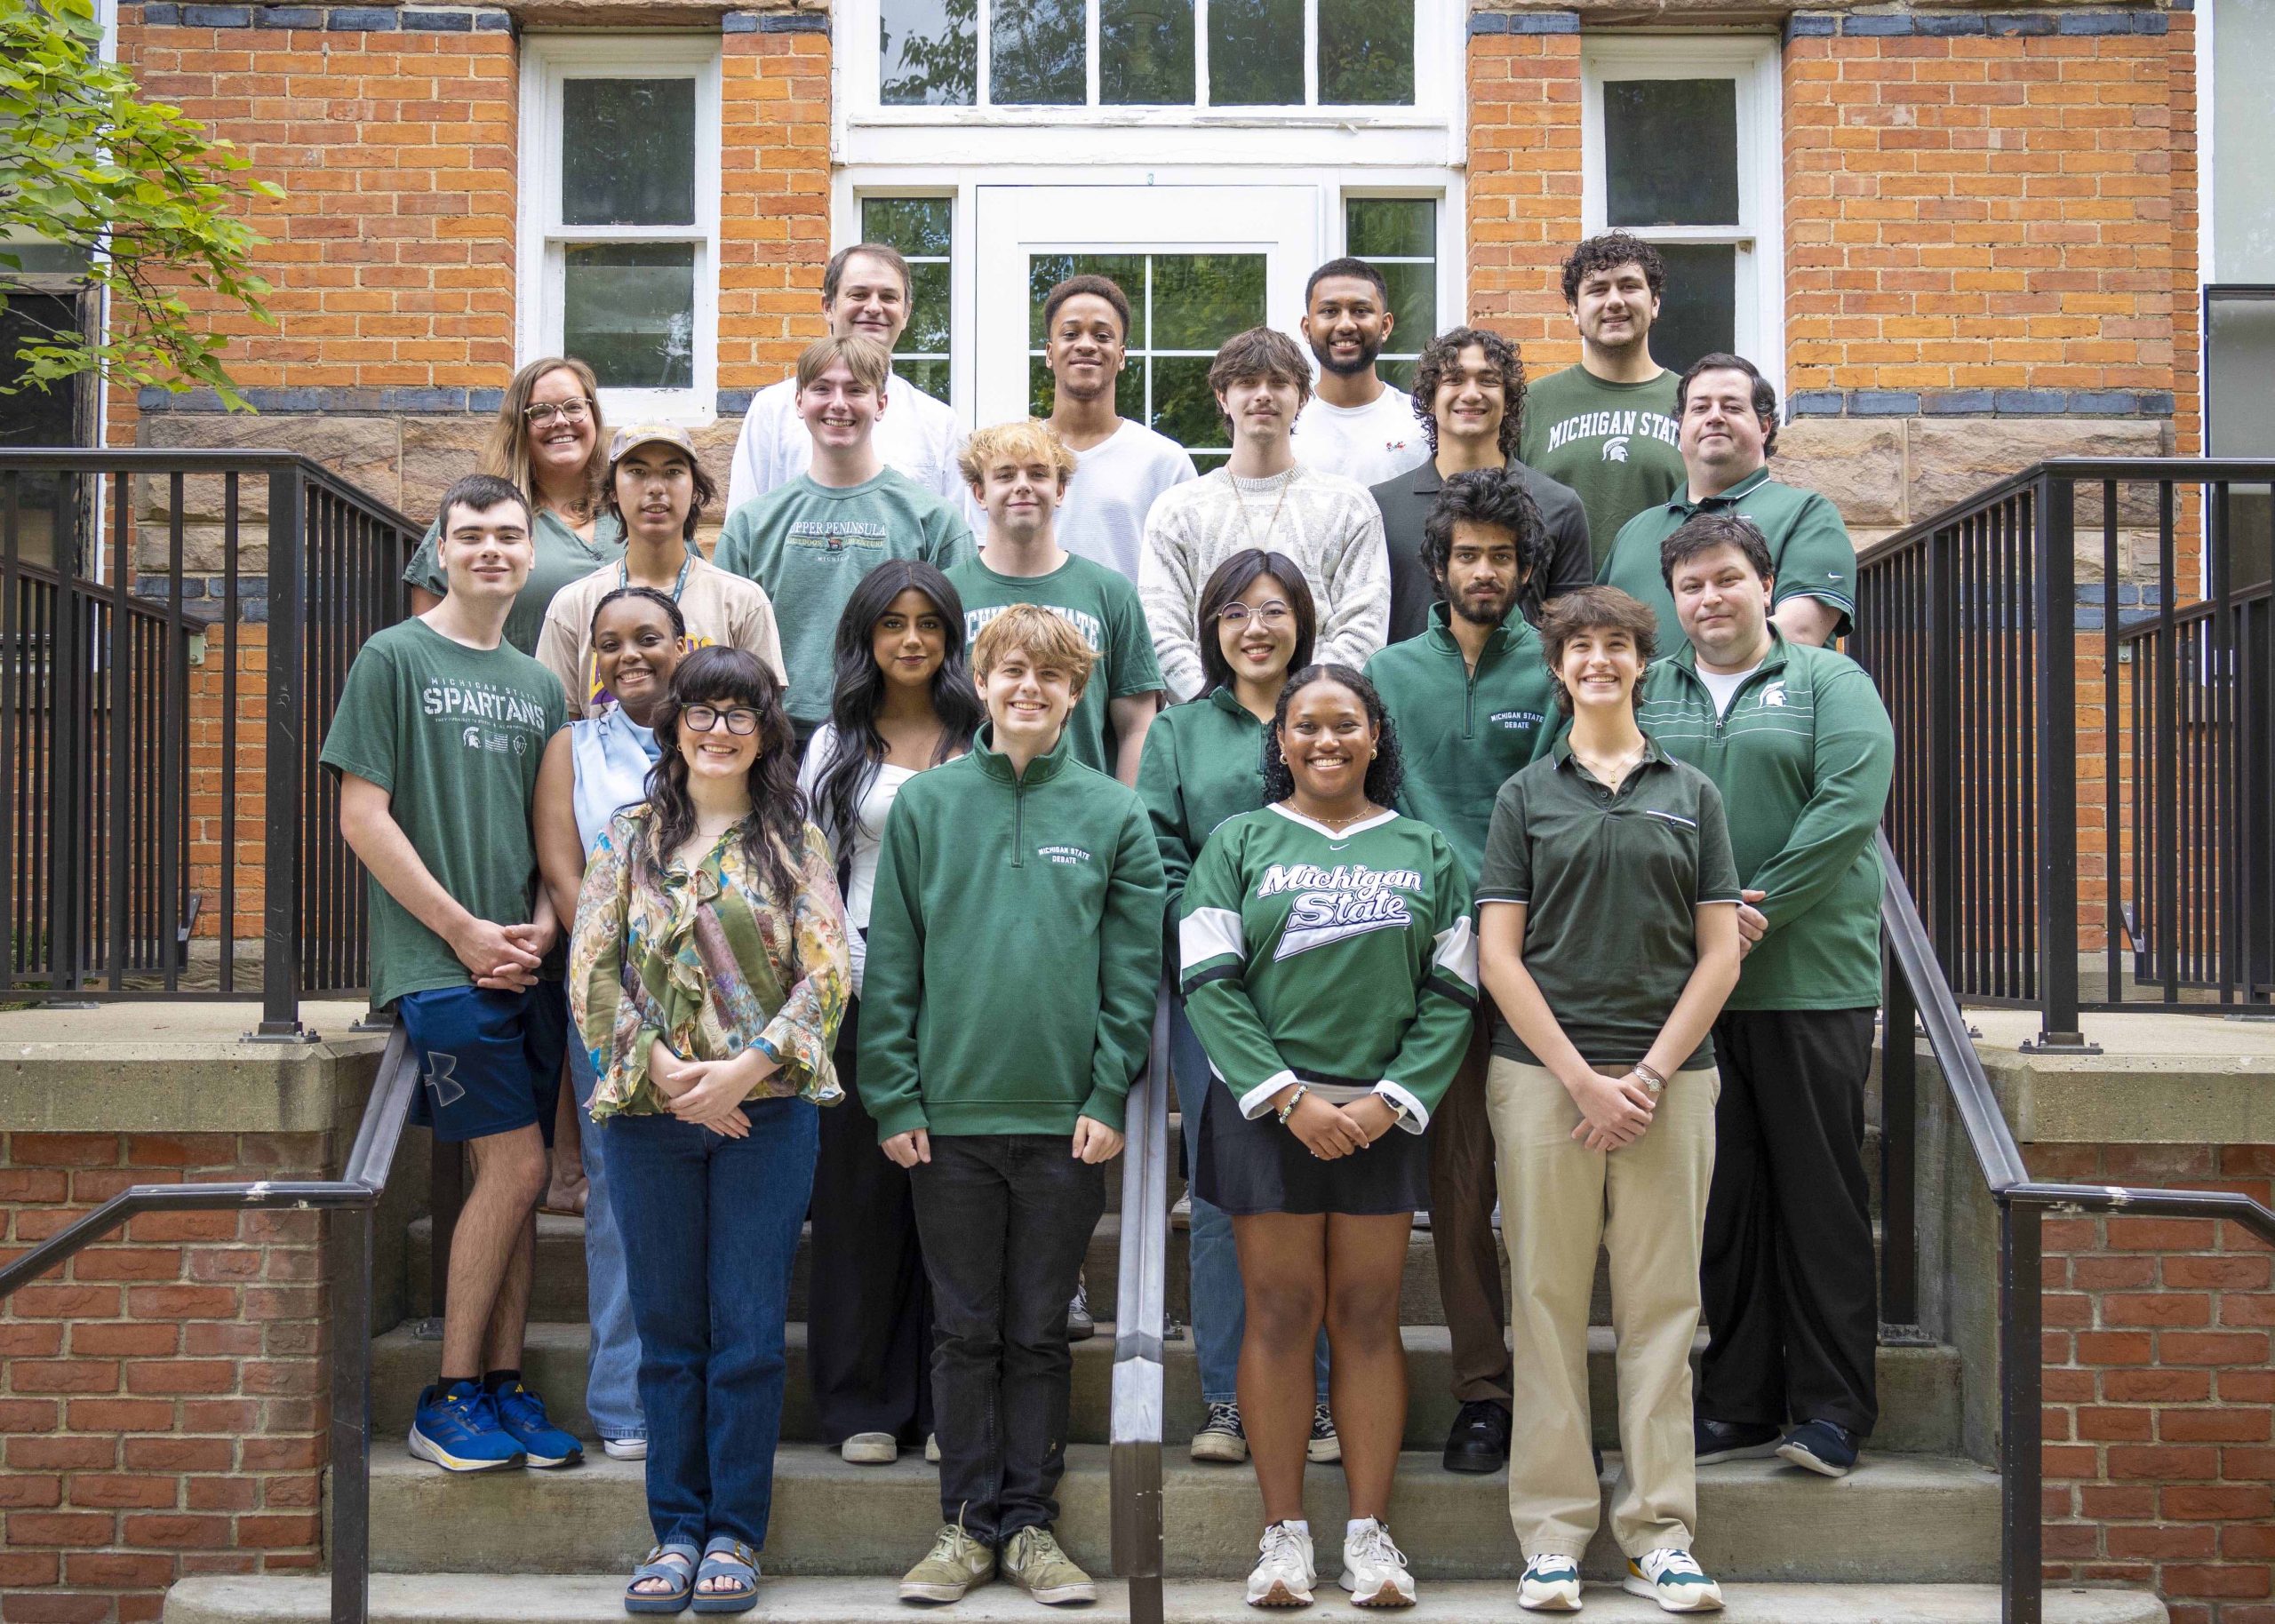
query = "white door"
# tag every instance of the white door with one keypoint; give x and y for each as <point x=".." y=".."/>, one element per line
<point x="1200" y="263"/>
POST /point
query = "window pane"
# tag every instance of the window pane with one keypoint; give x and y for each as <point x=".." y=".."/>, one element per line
<point x="1698" y="315"/>
<point x="2242" y="135"/>
<point x="1395" y="226"/>
<point x="1256" y="52"/>
<point x="1047" y="271"/>
<point x="1199" y="301"/>
<point x="1671" y="151"/>
<point x="48" y="505"/>
<point x="1146" y="51"/>
<point x="629" y="310"/>
<point x="1038" y="53"/>
<point x="1413" y="305"/>
<point x="2240" y="358"/>
<point x="916" y="226"/>
<point x="1397" y="374"/>
<point x="922" y="228"/>
<point x="627" y="152"/>
<point x="929" y="55"/>
<point x="1366" y="51"/>
<point x="930" y="375"/>
<point x="1186" y="409"/>
<point x="927" y="332"/>
<point x="1129" y="389"/>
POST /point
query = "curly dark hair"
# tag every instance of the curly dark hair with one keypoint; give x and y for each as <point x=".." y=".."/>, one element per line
<point x="1490" y="496"/>
<point x="1442" y="354"/>
<point x="1385" y="773"/>
<point x="774" y="835"/>
<point x="1608" y="252"/>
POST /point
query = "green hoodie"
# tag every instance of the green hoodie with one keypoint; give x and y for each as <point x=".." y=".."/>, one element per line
<point x="1204" y="763"/>
<point x="1461" y="733"/>
<point x="1015" y="949"/>
<point x="1802" y="757"/>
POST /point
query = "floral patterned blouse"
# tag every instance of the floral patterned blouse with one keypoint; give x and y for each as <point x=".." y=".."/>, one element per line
<point x="710" y="963"/>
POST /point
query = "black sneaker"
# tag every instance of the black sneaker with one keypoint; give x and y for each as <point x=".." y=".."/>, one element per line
<point x="1821" y="1446"/>
<point x="1480" y="1439"/>
<point x="1731" y="1441"/>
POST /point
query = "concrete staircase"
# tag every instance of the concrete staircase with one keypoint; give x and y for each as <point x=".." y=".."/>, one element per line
<point x="1912" y="1537"/>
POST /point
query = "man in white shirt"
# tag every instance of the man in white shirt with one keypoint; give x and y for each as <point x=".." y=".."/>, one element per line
<point x="1121" y="465"/>
<point x="864" y="293"/>
<point x="1356" y="425"/>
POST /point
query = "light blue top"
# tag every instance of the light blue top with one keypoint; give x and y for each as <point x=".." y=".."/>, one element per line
<point x="612" y="754"/>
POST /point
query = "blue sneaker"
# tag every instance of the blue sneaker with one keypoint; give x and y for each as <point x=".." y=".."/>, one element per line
<point x="1821" y="1446"/>
<point x="458" y="1430"/>
<point x="522" y="1413"/>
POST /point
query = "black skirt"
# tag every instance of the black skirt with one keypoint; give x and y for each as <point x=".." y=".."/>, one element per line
<point x="1249" y="1166"/>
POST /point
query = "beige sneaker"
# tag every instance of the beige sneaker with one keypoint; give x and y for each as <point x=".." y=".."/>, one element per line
<point x="1034" y="1562"/>
<point x="870" y="1449"/>
<point x="955" y="1562"/>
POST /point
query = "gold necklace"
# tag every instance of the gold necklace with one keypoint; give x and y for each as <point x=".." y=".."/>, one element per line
<point x="1620" y="765"/>
<point x="1248" y="525"/>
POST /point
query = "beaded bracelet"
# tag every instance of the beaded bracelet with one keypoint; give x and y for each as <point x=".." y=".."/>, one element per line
<point x="1289" y="1110"/>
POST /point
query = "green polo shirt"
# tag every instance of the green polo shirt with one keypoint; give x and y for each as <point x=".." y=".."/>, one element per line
<point x="1612" y="885"/>
<point x="1461" y="733"/>
<point x="1803" y="758"/>
<point x="1809" y="550"/>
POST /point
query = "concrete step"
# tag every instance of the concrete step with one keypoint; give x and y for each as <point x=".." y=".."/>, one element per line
<point x="1919" y="1396"/>
<point x="1912" y="1519"/>
<point x="591" y="1598"/>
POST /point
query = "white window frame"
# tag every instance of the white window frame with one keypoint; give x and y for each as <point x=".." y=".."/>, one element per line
<point x="1752" y="62"/>
<point x="549" y="61"/>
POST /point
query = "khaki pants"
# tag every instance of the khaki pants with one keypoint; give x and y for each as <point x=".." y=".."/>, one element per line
<point x="1647" y="1205"/>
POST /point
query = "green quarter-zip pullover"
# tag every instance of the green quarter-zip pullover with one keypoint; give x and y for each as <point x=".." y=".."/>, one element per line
<point x="1203" y="764"/>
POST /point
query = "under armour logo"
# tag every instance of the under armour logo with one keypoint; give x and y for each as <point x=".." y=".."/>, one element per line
<point x="447" y="1089"/>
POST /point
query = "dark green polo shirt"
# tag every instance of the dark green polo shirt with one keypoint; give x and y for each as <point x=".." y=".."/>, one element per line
<point x="1802" y="757"/>
<point x="1809" y="550"/>
<point x="1612" y="885"/>
<point x="1405" y="503"/>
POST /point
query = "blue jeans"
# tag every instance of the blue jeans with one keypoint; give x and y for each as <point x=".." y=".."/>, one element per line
<point x="612" y="1368"/>
<point x="710" y="1226"/>
<point x="1219" y="1307"/>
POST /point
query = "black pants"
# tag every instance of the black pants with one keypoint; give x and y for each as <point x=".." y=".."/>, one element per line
<point x="1462" y="1196"/>
<point x="869" y="1307"/>
<point x="1005" y="1218"/>
<point x="1787" y="1278"/>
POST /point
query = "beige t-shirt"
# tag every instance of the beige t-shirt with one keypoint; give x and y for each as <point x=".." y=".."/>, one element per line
<point x="719" y="607"/>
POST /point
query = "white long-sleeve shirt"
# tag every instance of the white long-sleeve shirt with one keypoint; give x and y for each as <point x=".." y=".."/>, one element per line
<point x="915" y="433"/>
<point x="1327" y="524"/>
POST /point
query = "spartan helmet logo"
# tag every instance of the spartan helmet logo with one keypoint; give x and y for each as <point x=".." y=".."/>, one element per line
<point x="1615" y="450"/>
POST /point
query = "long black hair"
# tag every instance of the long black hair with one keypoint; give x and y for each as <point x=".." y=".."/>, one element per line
<point x="774" y="834"/>
<point x="1384" y="773"/>
<point x="860" y="748"/>
<point x="1225" y="586"/>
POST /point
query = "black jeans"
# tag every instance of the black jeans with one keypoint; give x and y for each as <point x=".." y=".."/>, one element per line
<point x="1005" y="1219"/>
<point x="1786" y="1273"/>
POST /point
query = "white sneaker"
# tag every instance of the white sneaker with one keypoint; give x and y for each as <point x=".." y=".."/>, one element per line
<point x="1552" y="1584"/>
<point x="932" y="1448"/>
<point x="626" y="1449"/>
<point x="1373" y="1570"/>
<point x="1673" y="1580"/>
<point x="1284" y="1572"/>
<point x="870" y="1449"/>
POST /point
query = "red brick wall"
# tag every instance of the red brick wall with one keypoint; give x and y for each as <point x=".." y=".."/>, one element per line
<point x="162" y="1397"/>
<point x="1524" y="188"/>
<point x="774" y="210"/>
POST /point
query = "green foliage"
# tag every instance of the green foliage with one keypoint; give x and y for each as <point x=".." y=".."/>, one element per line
<point x="139" y="188"/>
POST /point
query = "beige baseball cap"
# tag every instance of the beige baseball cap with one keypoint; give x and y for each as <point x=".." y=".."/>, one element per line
<point x="649" y="434"/>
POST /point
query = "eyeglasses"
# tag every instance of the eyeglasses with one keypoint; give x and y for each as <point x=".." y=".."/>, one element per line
<point x="1272" y="613"/>
<point x="568" y="411"/>
<point x="741" y="721"/>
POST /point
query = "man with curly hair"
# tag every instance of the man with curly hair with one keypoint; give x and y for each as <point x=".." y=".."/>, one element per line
<point x="1607" y="427"/>
<point x="1469" y="393"/>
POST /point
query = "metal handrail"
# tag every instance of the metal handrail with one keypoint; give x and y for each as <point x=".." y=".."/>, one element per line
<point x="2122" y="470"/>
<point x="146" y="460"/>
<point x="1140" y="1324"/>
<point x="354" y="1195"/>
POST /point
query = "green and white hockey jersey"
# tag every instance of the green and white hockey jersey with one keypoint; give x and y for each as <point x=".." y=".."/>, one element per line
<point x="1344" y="961"/>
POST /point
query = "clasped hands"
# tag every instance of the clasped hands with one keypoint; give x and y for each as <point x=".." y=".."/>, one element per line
<point x="709" y="1093"/>
<point x="1331" y="1131"/>
<point x="1094" y="1142"/>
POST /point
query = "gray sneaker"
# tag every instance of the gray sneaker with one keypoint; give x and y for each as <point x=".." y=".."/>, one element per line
<point x="1080" y="1326"/>
<point x="955" y="1562"/>
<point x="1032" y="1561"/>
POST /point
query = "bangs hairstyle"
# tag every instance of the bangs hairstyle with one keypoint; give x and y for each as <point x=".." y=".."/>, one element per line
<point x="1441" y="359"/>
<point x="832" y="276"/>
<point x="1385" y="773"/>
<point x="1348" y="265"/>
<point x="1705" y="532"/>
<point x="1260" y="352"/>
<point x="507" y="452"/>
<point x="706" y="489"/>
<point x="774" y="834"/>
<point x="1030" y="440"/>
<point x="1043" y="636"/>
<point x="1098" y="287"/>
<point x="868" y="361"/>
<point x="1608" y="252"/>
<point x="1595" y="609"/>
<point x="1765" y="394"/>
<point x="1226" y="583"/>
<point x="1499" y="500"/>
<point x="481" y="492"/>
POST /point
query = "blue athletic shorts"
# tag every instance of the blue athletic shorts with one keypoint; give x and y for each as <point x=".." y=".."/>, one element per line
<point x="488" y="1062"/>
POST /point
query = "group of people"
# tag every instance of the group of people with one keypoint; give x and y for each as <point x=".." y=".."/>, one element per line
<point x="1473" y="764"/>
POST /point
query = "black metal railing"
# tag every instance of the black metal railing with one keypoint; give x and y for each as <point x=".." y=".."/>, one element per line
<point x="351" y="1200"/>
<point x="2052" y="809"/>
<point x="1134" y="1461"/>
<point x="1916" y="989"/>
<point x="160" y="752"/>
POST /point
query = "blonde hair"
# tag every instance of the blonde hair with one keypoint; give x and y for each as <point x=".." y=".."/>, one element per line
<point x="1029" y="440"/>
<point x="1043" y="635"/>
<point x="507" y="452"/>
<point x="868" y="361"/>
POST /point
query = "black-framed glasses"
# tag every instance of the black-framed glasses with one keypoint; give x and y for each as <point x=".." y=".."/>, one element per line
<point x="1271" y="613"/>
<point x="568" y="411"/>
<point x="742" y="721"/>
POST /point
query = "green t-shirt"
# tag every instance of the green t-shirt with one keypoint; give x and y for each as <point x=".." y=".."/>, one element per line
<point x="1102" y="605"/>
<point x="454" y="735"/>
<point x="563" y="557"/>
<point x="809" y="544"/>
<point x="1612" y="885"/>
<point x="1613" y="443"/>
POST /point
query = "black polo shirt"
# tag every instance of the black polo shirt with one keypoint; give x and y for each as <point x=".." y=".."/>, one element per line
<point x="1612" y="884"/>
<point x="1405" y="502"/>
